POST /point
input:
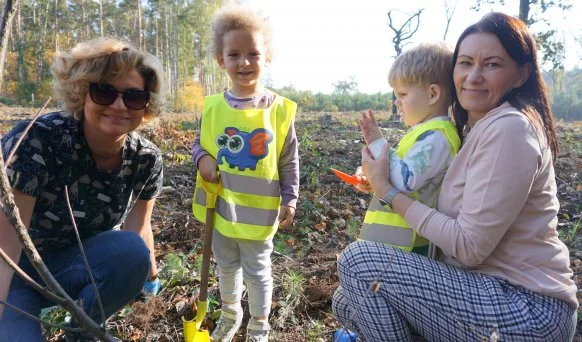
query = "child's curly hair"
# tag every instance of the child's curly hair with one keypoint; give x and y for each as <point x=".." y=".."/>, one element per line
<point x="237" y="17"/>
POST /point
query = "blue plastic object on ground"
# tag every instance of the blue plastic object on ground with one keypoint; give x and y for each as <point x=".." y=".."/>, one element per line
<point x="344" y="335"/>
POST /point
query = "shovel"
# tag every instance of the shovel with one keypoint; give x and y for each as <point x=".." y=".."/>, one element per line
<point x="192" y="328"/>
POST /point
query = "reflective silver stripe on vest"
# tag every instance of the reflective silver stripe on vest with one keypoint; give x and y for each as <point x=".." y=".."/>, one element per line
<point x="238" y="213"/>
<point x="386" y="234"/>
<point x="250" y="185"/>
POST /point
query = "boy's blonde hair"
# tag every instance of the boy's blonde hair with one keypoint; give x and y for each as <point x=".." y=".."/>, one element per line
<point x="103" y="60"/>
<point x="425" y="64"/>
<point x="237" y="17"/>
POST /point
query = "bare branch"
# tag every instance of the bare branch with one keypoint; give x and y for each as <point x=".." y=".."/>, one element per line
<point x="405" y="31"/>
<point x="450" y="7"/>
<point x="401" y="35"/>
<point x="82" y="250"/>
<point x="409" y="32"/>
<point x="9" y="159"/>
<point x="43" y="290"/>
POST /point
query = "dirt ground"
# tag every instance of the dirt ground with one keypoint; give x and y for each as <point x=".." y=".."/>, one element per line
<point x="328" y="217"/>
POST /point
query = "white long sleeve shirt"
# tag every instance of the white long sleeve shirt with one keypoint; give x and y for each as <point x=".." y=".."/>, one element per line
<point x="423" y="168"/>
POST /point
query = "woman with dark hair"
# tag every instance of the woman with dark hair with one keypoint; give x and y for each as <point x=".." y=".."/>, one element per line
<point x="111" y="174"/>
<point x="501" y="271"/>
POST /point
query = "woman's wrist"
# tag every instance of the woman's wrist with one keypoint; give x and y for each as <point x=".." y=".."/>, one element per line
<point x="382" y="189"/>
<point x="153" y="275"/>
<point x="387" y="199"/>
<point x="401" y="203"/>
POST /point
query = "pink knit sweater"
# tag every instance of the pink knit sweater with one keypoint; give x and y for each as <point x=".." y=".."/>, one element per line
<point x="497" y="209"/>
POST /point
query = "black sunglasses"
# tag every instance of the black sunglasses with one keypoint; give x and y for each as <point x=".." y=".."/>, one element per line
<point x="104" y="94"/>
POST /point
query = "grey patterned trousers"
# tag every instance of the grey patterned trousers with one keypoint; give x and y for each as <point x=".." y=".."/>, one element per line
<point x="422" y="297"/>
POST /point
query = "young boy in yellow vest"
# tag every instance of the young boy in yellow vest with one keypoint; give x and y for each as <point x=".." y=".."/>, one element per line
<point x="420" y="78"/>
<point x="247" y="138"/>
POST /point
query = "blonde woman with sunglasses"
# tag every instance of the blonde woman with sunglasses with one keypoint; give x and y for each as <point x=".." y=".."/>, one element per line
<point x="111" y="175"/>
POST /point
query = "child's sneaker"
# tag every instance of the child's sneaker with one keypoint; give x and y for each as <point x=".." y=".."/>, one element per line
<point x="258" y="331"/>
<point x="228" y="324"/>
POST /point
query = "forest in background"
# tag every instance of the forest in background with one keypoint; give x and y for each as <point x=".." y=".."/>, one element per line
<point x="177" y="32"/>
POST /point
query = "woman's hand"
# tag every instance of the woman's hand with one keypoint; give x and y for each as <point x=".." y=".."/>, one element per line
<point x="369" y="127"/>
<point x="208" y="169"/>
<point x="363" y="184"/>
<point x="377" y="171"/>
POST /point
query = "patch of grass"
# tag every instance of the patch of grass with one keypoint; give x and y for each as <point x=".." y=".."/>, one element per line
<point x="281" y="243"/>
<point x="570" y="237"/>
<point x="6" y="101"/>
<point x="293" y="283"/>
<point x="188" y="125"/>
<point x="177" y="269"/>
<point x="317" y="332"/>
<point x="353" y="229"/>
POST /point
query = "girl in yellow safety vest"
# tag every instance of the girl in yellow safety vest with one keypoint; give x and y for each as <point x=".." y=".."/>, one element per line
<point x="420" y="79"/>
<point x="246" y="136"/>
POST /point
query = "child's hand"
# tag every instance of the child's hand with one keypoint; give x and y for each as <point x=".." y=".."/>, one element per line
<point x="286" y="215"/>
<point x="363" y="185"/>
<point x="369" y="127"/>
<point x="208" y="169"/>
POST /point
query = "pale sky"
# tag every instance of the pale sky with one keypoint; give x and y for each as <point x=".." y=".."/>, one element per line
<point x="320" y="42"/>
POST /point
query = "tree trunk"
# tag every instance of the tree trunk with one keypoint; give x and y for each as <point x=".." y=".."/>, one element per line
<point x="7" y="15"/>
<point x="40" y="44"/>
<point x="101" y="17"/>
<point x="57" y="46"/>
<point x="166" y="48"/>
<point x="524" y="11"/>
<point x="19" y="44"/>
<point x="139" y="28"/>
<point x="84" y="21"/>
<point x="5" y="27"/>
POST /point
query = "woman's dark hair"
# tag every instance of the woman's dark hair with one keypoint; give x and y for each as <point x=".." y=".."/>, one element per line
<point x="532" y="97"/>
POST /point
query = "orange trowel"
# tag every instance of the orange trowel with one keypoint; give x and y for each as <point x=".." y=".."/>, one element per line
<point x="350" y="179"/>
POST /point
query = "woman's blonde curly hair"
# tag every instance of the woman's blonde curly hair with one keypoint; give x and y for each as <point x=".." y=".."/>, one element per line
<point x="102" y="60"/>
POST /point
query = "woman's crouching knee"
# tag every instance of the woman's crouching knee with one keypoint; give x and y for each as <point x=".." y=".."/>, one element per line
<point x="133" y="256"/>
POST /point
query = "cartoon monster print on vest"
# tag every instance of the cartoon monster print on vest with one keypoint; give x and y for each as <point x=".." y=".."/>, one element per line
<point x="243" y="149"/>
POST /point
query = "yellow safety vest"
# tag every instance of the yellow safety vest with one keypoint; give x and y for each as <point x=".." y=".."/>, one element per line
<point x="247" y="145"/>
<point x="382" y="224"/>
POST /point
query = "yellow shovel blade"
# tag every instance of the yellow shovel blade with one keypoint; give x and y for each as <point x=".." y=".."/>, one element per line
<point x="202" y="336"/>
<point x="201" y="313"/>
<point x="191" y="334"/>
<point x="192" y="331"/>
